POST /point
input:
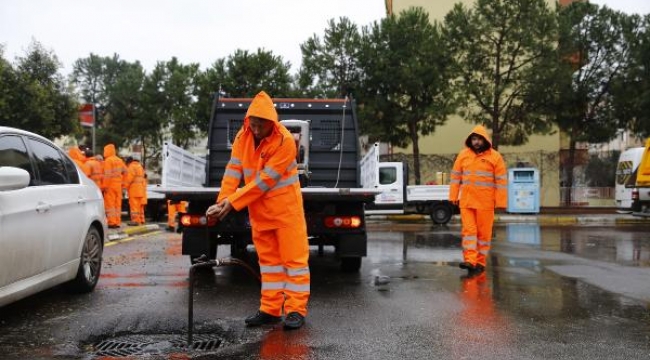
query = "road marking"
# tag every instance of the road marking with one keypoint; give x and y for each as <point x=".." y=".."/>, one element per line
<point x="130" y="238"/>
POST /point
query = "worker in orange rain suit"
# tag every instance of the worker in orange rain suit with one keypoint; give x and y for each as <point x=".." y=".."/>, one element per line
<point x="174" y="208"/>
<point x="96" y="166"/>
<point x="136" y="187"/>
<point x="114" y="172"/>
<point x="80" y="159"/>
<point x="264" y="154"/>
<point x="479" y="177"/>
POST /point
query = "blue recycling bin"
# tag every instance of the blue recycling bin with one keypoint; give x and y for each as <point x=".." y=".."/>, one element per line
<point x="523" y="190"/>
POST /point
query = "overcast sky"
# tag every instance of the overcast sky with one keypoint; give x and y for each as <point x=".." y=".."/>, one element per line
<point x="192" y="30"/>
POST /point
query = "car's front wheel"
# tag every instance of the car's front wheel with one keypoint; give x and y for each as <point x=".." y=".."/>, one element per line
<point x="90" y="263"/>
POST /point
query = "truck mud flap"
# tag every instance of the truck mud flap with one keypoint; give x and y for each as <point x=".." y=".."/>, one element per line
<point x="352" y="245"/>
<point x="196" y="241"/>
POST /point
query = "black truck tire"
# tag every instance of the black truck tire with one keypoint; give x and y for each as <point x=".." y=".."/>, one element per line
<point x="441" y="213"/>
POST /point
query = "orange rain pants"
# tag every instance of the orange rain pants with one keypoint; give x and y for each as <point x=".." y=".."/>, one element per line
<point x="284" y="268"/>
<point x="476" y="234"/>
<point x="172" y="210"/>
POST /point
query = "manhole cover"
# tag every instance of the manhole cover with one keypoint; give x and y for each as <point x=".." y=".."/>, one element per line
<point x="155" y="345"/>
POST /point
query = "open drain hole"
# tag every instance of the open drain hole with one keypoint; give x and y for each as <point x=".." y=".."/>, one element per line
<point x="155" y="345"/>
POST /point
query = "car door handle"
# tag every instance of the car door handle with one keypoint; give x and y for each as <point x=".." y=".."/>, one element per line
<point x="43" y="207"/>
<point x="393" y="190"/>
<point x="81" y="200"/>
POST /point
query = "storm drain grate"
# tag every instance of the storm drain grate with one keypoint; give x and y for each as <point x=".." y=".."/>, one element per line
<point x="201" y="345"/>
<point x="119" y="348"/>
<point x="160" y="345"/>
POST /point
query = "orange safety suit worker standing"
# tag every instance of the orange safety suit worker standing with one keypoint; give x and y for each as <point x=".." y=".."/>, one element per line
<point x="264" y="155"/>
<point x="96" y="166"/>
<point x="174" y="208"/>
<point x="80" y="159"/>
<point x="480" y="179"/>
<point x="114" y="173"/>
<point x="136" y="187"/>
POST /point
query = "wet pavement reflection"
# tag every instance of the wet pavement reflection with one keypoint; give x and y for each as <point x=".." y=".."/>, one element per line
<point x="563" y="284"/>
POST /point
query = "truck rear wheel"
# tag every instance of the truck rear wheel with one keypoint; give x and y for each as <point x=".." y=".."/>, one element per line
<point x="441" y="214"/>
<point x="351" y="264"/>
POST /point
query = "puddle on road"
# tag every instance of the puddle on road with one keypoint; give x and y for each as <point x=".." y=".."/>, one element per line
<point x="624" y="246"/>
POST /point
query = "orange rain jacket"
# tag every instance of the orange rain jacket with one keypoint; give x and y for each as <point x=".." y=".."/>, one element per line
<point x="134" y="182"/>
<point x="79" y="159"/>
<point x="269" y="172"/>
<point x="114" y="168"/>
<point x="96" y="170"/>
<point x="481" y="178"/>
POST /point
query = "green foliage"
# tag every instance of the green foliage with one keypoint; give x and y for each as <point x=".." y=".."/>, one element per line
<point x="404" y="93"/>
<point x="593" y="51"/>
<point x="631" y="88"/>
<point x="330" y="67"/>
<point x="34" y="97"/>
<point x="500" y="48"/>
<point x="244" y="74"/>
<point x="602" y="172"/>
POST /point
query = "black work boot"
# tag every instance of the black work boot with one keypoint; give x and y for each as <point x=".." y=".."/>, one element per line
<point x="261" y="318"/>
<point x="467" y="266"/>
<point x="294" y="321"/>
<point x="479" y="268"/>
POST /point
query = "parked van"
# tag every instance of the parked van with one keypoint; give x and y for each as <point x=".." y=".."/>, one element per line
<point x="626" y="169"/>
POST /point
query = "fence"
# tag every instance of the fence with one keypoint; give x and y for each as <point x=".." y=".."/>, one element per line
<point x="589" y="196"/>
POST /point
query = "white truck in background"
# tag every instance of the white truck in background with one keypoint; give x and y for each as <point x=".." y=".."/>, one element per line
<point x="641" y="190"/>
<point x="626" y="169"/>
<point x="397" y="197"/>
<point x="179" y="167"/>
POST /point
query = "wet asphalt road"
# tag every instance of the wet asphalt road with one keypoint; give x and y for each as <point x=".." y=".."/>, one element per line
<point x="564" y="292"/>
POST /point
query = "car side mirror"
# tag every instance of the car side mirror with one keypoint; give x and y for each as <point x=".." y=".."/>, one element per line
<point x="13" y="178"/>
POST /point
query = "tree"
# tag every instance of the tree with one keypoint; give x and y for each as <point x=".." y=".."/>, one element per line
<point x="171" y="100"/>
<point x="244" y="74"/>
<point x="500" y="47"/>
<point x="406" y="89"/>
<point x="34" y="96"/>
<point x="631" y="88"/>
<point x="329" y="68"/>
<point x="592" y="52"/>
<point x="99" y="81"/>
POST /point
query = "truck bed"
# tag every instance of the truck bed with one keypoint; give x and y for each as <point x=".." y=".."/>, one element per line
<point x="310" y="193"/>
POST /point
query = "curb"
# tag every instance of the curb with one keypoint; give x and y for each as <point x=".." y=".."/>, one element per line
<point x="117" y="234"/>
<point x="613" y="219"/>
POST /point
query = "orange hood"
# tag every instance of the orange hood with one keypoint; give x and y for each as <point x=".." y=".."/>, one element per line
<point x="262" y="107"/>
<point x="109" y="150"/>
<point x="479" y="130"/>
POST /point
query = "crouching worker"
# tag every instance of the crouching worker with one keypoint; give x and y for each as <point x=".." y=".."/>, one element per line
<point x="264" y="155"/>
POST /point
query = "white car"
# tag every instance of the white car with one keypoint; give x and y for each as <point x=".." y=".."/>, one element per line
<point x="52" y="219"/>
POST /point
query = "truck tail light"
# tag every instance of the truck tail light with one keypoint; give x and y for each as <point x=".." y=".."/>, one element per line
<point x="635" y="194"/>
<point x="347" y="222"/>
<point x="196" y="220"/>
